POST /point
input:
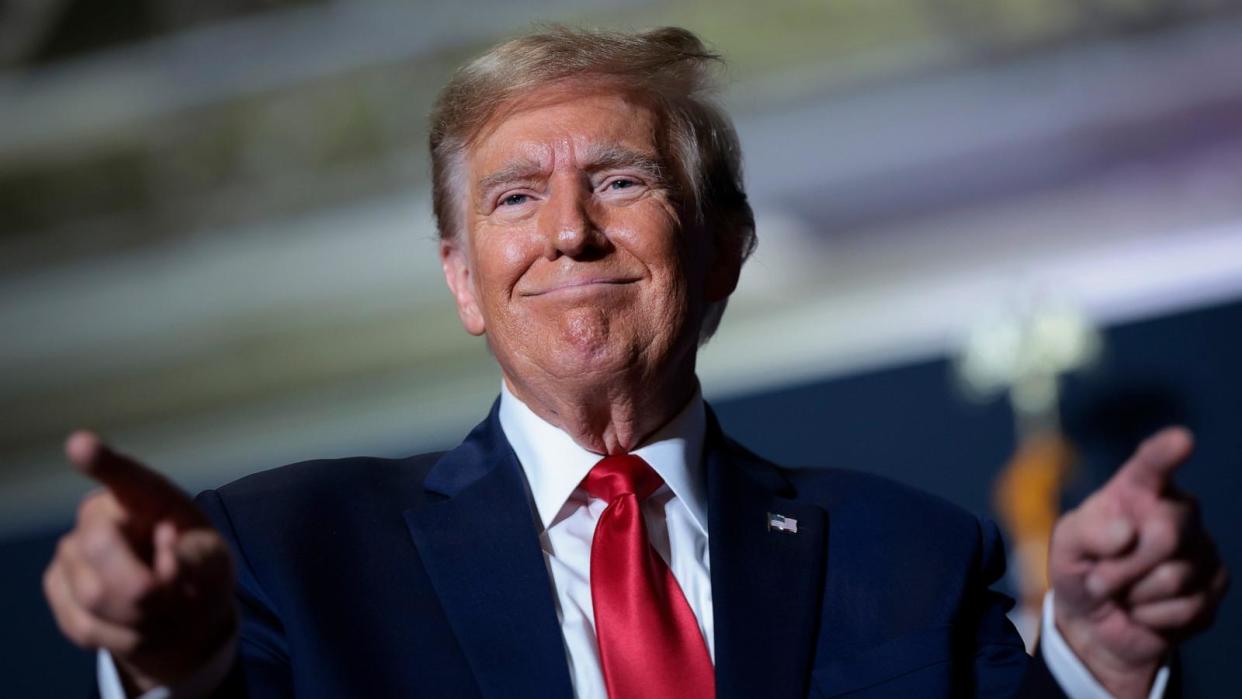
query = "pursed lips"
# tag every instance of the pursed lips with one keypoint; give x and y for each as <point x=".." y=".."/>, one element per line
<point x="585" y="285"/>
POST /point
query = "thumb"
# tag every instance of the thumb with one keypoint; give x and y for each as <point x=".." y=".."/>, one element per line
<point x="183" y="552"/>
<point x="192" y="559"/>
<point x="1152" y="467"/>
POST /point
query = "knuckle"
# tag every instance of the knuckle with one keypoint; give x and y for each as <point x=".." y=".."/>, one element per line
<point x="65" y="548"/>
<point x="84" y="631"/>
<point x="138" y="588"/>
<point x="1181" y="615"/>
<point x="1162" y="536"/>
<point x="89" y="506"/>
<point x="1167" y="578"/>
<point x="98" y="542"/>
<point x="1178" y="572"/>
<point x="1068" y="529"/>
<point x="73" y="622"/>
<point x="89" y="592"/>
<point x="1108" y="575"/>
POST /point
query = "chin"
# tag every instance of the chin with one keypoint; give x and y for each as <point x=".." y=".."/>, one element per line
<point x="589" y="344"/>
<point x="592" y="362"/>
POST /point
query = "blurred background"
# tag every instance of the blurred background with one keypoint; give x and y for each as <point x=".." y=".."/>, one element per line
<point x="1000" y="241"/>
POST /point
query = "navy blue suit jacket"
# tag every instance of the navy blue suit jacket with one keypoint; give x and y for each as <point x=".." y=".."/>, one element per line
<point x="424" y="577"/>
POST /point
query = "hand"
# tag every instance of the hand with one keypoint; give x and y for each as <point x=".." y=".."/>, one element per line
<point x="143" y="574"/>
<point x="1133" y="570"/>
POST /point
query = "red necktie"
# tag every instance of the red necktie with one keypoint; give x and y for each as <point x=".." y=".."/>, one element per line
<point x="649" y="641"/>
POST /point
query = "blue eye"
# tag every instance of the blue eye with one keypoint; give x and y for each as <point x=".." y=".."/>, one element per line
<point x="514" y="200"/>
<point x="621" y="184"/>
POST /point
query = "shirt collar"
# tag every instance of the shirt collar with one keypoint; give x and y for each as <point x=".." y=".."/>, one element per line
<point x="555" y="464"/>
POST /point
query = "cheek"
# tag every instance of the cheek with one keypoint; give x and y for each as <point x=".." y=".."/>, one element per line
<point x="501" y="257"/>
<point x="517" y="252"/>
<point x="656" y="242"/>
<point x="649" y="230"/>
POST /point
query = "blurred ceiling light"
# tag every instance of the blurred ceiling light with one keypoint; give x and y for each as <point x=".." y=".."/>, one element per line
<point x="1023" y="350"/>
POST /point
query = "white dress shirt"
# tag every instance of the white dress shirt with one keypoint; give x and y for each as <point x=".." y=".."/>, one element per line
<point x="676" y="519"/>
<point x="675" y="515"/>
<point x="1068" y="670"/>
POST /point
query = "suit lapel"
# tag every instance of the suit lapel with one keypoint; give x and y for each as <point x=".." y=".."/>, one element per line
<point x="479" y="545"/>
<point x="766" y="582"/>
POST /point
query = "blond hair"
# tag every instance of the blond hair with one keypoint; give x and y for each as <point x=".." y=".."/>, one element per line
<point x="670" y="67"/>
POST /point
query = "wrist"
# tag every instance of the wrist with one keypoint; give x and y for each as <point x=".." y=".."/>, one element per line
<point x="171" y="667"/>
<point x="1121" y="678"/>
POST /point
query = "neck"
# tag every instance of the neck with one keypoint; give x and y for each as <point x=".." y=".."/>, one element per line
<point x="610" y="419"/>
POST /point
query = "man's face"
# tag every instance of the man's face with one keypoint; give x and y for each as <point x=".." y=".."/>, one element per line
<point x="575" y="262"/>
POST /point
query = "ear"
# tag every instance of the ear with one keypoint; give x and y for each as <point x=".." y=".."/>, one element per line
<point x="456" y="265"/>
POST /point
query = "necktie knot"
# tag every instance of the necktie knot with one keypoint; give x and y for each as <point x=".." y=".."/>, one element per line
<point x="622" y="474"/>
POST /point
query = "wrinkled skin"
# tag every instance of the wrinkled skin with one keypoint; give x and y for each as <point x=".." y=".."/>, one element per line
<point x="142" y="574"/>
<point x="577" y="267"/>
<point x="1133" y="570"/>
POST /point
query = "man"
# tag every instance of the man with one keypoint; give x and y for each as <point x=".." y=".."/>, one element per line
<point x="597" y="534"/>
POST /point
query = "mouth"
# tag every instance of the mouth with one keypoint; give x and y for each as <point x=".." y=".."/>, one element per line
<point x="581" y="286"/>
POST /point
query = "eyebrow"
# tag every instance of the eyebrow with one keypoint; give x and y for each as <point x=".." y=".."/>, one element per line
<point x="619" y="157"/>
<point x="597" y="160"/>
<point x="520" y="170"/>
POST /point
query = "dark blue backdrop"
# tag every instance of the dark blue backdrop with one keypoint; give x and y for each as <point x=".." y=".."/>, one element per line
<point x="906" y="423"/>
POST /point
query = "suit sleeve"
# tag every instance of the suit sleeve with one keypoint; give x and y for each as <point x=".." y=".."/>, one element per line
<point x="1000" y="656"/>
<point x="261" y="666"/>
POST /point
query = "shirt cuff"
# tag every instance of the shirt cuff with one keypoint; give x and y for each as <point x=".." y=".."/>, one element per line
<point x="1069" y="671"/>
<point x="197" y="686"/>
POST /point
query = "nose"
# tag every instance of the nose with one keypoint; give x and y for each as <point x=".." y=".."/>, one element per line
<point x="569" y="227"/>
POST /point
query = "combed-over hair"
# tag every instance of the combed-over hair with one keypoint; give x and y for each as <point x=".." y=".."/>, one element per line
<point x="670" y="67"/>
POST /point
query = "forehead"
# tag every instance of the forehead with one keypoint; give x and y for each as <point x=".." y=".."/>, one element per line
<point x="563" y="125"/>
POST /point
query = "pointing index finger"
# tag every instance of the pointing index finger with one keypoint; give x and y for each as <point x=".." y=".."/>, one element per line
<point x="140" y="490"/>
<point x="1157" y="458"/>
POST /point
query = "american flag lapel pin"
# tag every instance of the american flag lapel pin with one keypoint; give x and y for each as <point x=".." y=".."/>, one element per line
<point x="782" y="523"/>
